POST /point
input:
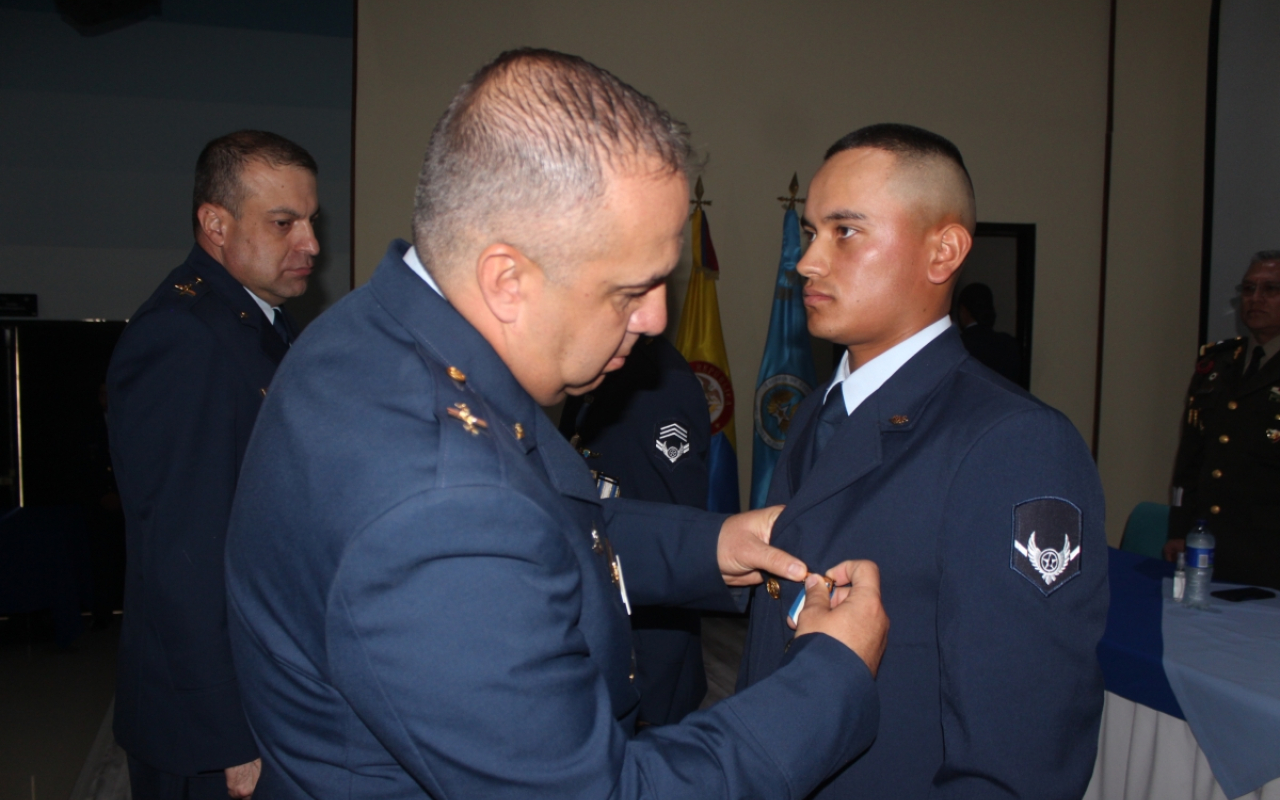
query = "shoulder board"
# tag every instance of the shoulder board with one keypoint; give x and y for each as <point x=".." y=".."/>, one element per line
<point x="1225" y="344"/>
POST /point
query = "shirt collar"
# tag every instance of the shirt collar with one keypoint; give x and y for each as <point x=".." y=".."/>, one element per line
<point x="1269" y="349"/>
<point x="266" y="307"/>
<point x="415" y="264"/>
<point x="857" y="385"/>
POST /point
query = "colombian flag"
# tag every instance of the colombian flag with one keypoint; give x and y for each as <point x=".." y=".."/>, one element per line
<point x="701" y="342"/>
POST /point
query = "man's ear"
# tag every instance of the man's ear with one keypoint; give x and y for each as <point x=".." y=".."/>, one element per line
<point x="953" y="242"/>
<point x="505" y="278"/>
<point x="213" y="222"/>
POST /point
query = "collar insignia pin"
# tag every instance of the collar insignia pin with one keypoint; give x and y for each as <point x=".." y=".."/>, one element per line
<point x="187" y="289"/>
<point x="898" y="419"/>
<point x="470" y="422"/>
<point x="519" y="430"/>
<point x="457" y="374"/>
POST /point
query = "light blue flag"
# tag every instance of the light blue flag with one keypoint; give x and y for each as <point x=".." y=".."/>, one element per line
<point x="786" y="373"/>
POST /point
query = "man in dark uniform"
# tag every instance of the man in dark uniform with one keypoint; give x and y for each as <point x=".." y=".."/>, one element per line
<point x="981" y="504"/>
<point x="1227" y="470"/>
<point x="647" y="428"/>
<point x="185" y="384"/>
<point x="427" y="596"/>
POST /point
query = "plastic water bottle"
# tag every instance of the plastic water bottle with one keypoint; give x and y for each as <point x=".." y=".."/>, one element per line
<point x="1180" y="578"/>
<point x="1200" y="544"/>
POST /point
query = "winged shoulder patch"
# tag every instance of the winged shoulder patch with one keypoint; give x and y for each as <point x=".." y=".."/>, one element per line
<point x="1046" y="542"/>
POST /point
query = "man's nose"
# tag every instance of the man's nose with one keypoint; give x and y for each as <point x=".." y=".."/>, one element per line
<point x="811" y="263"/>
<point x="308" y="243"/>
<point x="650" y="319"/>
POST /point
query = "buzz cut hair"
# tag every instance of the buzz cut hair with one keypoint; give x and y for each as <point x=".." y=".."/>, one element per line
<point x="1264" y="255"/>
<point x="222" y="161"/>
<point x="919" y="148"/>
<point x="524" y="152"/>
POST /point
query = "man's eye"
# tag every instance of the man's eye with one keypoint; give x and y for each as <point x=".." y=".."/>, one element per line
<point x="808" y="235"/>
<point x="843" y="232"/>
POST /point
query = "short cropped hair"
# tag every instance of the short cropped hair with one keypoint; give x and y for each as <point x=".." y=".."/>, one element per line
<point x="221" y="162"/>
<point x="1264" y="255"/>
<point x="524" y="151"/>
<point x="912" y="146"/>
<point x="978" y="299"/>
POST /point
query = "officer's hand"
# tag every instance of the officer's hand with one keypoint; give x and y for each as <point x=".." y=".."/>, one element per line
<point x="1173" y="547"/>
<point x="853" y="615"/>
<point x="744" y="552"/>
<point x="242" y="780"/>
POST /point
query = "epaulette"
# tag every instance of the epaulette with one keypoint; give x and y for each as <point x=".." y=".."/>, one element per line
<point x="1225" y="344"/>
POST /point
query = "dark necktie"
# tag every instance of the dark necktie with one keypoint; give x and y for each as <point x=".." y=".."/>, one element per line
<point x="829" y="418"/>
<point x="1255" y="362"/>
<point x="277" y="322"/>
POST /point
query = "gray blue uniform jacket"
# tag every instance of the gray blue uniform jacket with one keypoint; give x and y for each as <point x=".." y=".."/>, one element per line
<point x="184" y="387"/>
<point x="422" y="601"/>
<point x="984" y="512"/>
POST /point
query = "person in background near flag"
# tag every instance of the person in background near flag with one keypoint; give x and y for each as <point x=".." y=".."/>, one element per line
<point x="701" y="341"/>
<point x="981" y="504"/>
<point x="646" y="428"/>
<point x="786" y="371"/>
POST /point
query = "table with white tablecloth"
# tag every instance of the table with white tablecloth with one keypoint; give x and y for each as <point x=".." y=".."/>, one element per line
<point x="1193" y="702"/>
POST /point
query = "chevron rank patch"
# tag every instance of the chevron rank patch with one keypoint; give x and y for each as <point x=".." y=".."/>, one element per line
<point x="672" y="441"/>
<point x="1046" y="542"/>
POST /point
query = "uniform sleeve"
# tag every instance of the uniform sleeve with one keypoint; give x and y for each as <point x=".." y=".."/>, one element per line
<point x="173" y="440"/>
<point x="1021" y="689"/>
<point x="668" y="554"/>
<point x="463" y="655"/>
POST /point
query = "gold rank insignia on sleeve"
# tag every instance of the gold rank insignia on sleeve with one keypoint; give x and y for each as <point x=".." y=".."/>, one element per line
<point x="188" y="289"/>
<point x="470" y="422"/>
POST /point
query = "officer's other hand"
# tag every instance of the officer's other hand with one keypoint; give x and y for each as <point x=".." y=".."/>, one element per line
<point x="242" y="780"/>
<point x="853" y="614"/>
<point x="1173" y="547"/>
<point x="744" y="552"/>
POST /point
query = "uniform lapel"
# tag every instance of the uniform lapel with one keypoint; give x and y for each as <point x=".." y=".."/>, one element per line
<point x="856" y="449"/>
<point x="1267" y="377"/>
<point x="233" y="293"/>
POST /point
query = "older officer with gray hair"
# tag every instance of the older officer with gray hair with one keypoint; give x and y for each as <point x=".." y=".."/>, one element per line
<point x="427" y="596"/>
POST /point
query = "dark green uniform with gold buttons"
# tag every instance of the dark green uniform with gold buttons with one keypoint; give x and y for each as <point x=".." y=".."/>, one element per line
<point x="1228" y="463"/>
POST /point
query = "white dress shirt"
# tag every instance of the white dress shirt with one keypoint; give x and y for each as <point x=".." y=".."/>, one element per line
<point x="266" y="307"/>
<point x="415" y="264"/>
<point x="859" y="384"/>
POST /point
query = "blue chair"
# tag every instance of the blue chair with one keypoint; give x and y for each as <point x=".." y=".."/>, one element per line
<point x="1146" y="530"/>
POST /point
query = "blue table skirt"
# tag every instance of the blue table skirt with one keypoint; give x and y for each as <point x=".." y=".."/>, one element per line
<point x="1132" y="648"/>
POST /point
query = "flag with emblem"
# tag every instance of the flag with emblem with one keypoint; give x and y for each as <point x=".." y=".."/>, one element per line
<point x="701" y="341"/>
<point x="786" y="371"/>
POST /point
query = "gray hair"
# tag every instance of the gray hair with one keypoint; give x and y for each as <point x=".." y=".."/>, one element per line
<point x="523" y="154"/>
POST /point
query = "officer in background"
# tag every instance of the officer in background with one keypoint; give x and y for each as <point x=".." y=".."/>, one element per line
<point x="1228" y="465"/>
<point x="184" y="387"/>
<point x="647" y="428"/>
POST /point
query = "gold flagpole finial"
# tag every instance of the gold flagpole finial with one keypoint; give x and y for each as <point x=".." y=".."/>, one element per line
<point x="790" y="202"/>
<point x="697" y="193"/>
